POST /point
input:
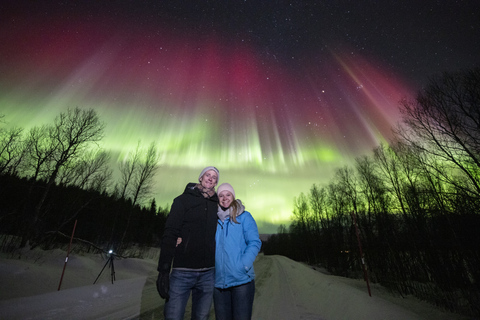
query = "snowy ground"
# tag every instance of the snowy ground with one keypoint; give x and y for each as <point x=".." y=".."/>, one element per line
<point x="284" y="290"/>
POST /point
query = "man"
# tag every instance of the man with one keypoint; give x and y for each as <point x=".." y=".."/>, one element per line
<point x="193" y="217"/>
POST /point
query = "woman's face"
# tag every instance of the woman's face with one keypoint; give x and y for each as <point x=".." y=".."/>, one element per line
<point x="209" y="179"/>
<point x="225" y="198"/>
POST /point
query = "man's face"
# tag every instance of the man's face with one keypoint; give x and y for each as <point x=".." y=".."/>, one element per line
<point x="209" y="179"/>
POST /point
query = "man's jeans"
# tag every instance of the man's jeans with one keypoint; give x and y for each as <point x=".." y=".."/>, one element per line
<point x="200" y="283"/>
<point x="234" y="302"/>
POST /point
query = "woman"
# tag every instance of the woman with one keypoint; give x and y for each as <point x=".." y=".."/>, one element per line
<point x="237" y="245"/>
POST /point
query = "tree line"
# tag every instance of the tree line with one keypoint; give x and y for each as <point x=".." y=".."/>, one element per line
<point x="54" y="174"/>
<point x="415" y="202"/>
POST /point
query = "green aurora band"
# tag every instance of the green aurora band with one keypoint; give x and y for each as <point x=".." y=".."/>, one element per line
<point x="272" y="131"/>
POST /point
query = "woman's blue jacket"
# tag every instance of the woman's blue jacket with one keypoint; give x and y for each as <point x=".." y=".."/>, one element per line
<point x="237" y="246"/>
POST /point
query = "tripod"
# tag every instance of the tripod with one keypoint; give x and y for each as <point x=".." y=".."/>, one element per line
<point x="111" y="266"/>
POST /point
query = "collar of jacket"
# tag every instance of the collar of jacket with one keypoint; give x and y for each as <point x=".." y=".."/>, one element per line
<point x="190" y="189"/>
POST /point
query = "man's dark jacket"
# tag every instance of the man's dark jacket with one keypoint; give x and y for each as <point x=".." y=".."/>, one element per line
<point x="193" y="218"/>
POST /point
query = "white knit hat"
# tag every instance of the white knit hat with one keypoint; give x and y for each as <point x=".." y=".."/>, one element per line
<point x="227" y="187"/>
<point x="207" y="169"/>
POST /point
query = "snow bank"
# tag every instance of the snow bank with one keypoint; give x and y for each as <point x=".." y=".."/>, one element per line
<point x="284" y="290"/>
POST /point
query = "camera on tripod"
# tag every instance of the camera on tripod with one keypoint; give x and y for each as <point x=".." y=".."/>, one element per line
<point x="111" y="257"/>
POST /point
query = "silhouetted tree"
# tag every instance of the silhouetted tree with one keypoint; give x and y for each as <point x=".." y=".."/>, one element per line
<point x="90" y="171"/>
<point x="53" y="148"/>
<point x="12" y="151"/>
<point x="444" y="120"/>
<point x="138" y="172"/>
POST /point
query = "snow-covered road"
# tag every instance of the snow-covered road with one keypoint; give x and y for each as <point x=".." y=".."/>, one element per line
<point x="290" y="290"/>
<point x="285" y="289"/>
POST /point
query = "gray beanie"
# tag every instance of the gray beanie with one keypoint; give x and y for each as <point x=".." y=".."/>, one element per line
<point x="207" y="169"/>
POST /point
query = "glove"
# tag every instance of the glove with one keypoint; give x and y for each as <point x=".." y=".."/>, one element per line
<point x="163" y="284"/>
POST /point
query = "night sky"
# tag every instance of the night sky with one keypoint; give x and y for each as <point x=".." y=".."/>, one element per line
<point x="276" y="94"/>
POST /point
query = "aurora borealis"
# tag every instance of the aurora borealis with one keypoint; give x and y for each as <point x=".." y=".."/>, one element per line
<point x="275" y="96"/>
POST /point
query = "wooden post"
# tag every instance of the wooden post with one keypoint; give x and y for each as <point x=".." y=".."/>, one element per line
<point x="365" y="273"/>
<point x="68" y="252"/>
